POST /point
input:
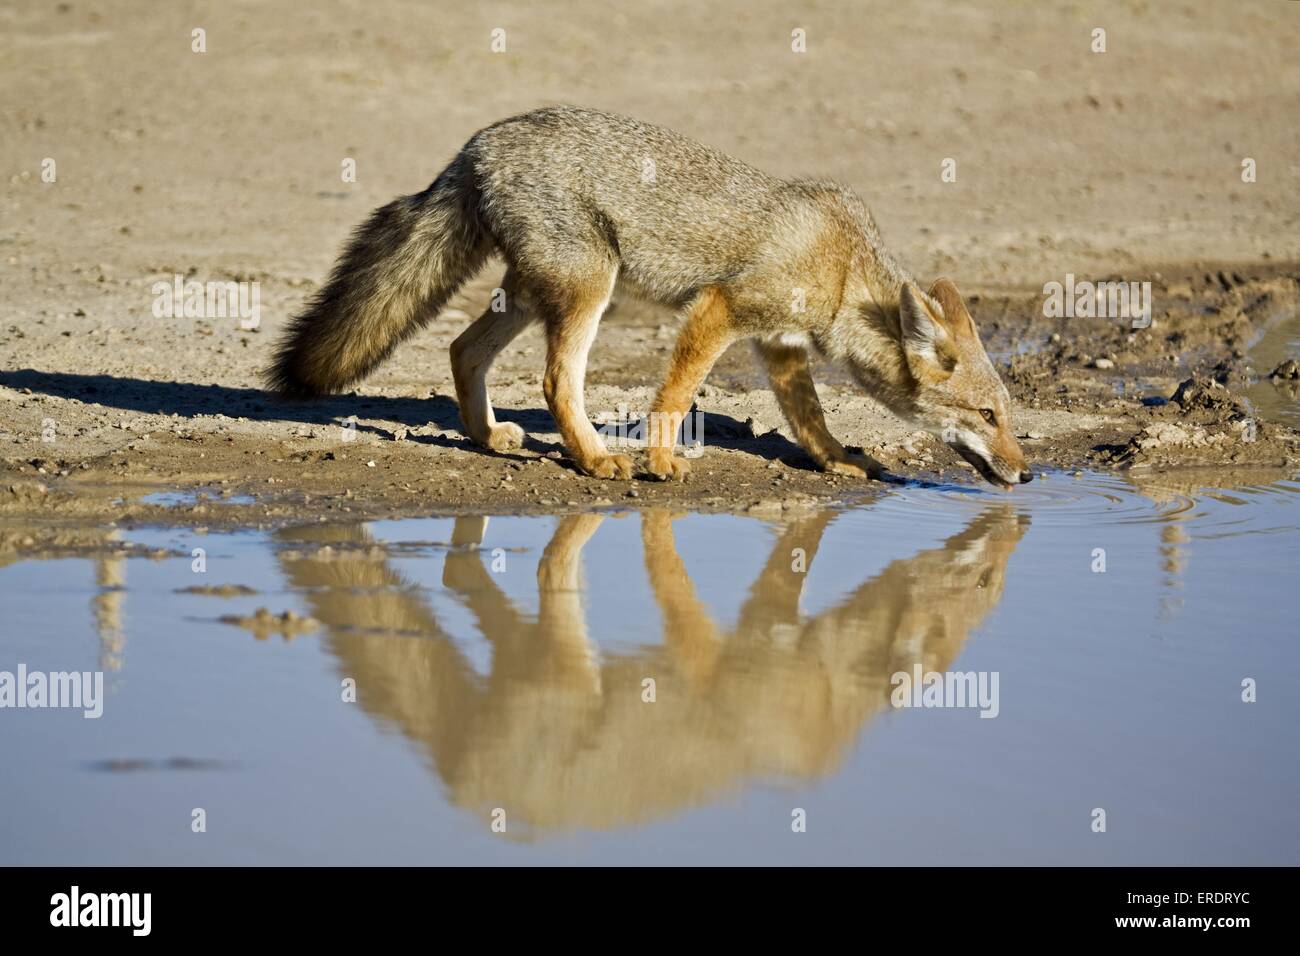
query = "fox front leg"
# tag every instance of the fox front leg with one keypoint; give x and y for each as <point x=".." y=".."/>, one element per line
<point x="787" y="368"/>
<point x="704" y="337"/>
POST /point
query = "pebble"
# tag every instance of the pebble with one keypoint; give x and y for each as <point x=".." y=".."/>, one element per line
<point x="1289" y="369"/>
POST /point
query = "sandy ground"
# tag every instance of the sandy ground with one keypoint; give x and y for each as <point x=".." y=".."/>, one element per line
<point x="226" y="165"/>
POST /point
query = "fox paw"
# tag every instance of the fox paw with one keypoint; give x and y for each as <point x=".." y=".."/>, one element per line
<point x="668" y="467"/>
<point x="855" y="466"/>
<point x="609" y="466"/>
<point x="505" y="436"/>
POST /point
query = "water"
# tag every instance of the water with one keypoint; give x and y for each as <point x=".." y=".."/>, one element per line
<point x="194" y="496"/>
<point x="1276" y="400"/>
<point x="500" y="667"/>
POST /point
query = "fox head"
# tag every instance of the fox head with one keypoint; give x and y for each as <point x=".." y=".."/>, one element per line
<point x="959" y="396"/>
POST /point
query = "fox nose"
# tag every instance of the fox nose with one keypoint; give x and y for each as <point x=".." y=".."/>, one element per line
<point x="1026" y="476"/>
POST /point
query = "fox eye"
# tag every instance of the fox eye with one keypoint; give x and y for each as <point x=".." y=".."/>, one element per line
<point x="988" y="415"/>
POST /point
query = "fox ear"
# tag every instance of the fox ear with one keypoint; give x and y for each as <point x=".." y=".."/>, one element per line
<point x="926" y="343"/>
<point x="954" y="307"/>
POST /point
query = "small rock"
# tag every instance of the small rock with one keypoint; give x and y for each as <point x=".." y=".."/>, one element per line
<point x="1201" y="392"/>
<point x="1286" y="370"/>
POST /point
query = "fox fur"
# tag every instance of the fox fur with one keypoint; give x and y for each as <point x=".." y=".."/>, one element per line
<point x="580" y="203"/>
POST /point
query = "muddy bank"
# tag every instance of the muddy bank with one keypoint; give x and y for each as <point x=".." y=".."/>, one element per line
<point x="1090" y="393"/>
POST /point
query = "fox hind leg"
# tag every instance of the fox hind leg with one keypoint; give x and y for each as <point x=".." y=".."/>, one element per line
<point x="472" y="355"/>
<point x="570" y="329"/>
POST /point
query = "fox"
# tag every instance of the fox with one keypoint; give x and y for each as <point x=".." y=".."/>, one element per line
<point x="582" y="204"/>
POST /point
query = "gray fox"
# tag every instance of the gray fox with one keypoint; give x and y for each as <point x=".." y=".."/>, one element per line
<point x="579" y="202"/>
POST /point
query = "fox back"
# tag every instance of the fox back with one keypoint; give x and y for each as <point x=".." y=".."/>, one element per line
<point x="675" y="214"/>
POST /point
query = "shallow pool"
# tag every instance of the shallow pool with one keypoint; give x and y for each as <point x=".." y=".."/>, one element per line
<point x="1117" y="666"/>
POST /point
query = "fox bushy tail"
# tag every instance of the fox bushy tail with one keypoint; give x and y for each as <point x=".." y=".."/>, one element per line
<point x="398" y="270"/>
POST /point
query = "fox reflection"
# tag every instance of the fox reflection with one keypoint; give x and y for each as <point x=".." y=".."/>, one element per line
<point x="561" y="738"/>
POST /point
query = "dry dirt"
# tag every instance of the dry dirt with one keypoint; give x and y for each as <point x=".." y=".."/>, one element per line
<point x="225" y="165"/>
